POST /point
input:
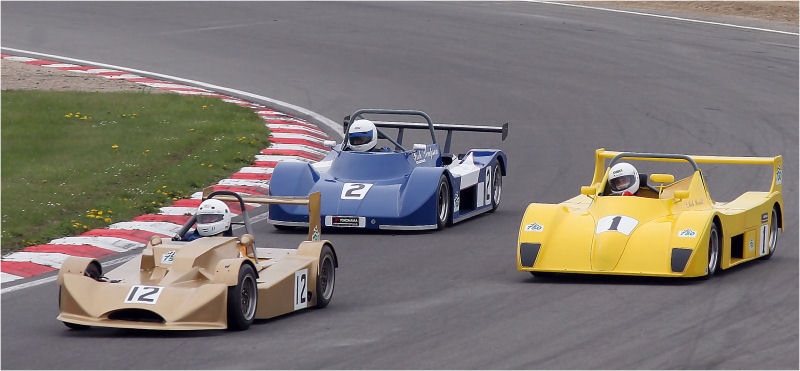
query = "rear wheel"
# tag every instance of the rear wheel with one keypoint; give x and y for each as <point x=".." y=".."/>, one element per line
<point x="497" y="187"/>
<point x="773" y="233"/>
<point x="242" y="299"/>
<point x="326" y="277"/>
<point x="442" y="202"/>
<point x="713" y="251"/>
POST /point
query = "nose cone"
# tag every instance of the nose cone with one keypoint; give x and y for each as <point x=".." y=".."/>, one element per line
<point x="607" y="250"/>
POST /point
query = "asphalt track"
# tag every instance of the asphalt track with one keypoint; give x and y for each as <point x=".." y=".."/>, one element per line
<point x="569" y="80"/>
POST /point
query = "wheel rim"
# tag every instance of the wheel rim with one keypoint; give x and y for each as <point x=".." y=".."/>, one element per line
<point x="498" y="186"/>
<point x="326" y="278"/>
<point x="248" y="295"/>
<point x="773" y="232"/>
<point x="713" y="251"/>
<point x="444" y="202"/>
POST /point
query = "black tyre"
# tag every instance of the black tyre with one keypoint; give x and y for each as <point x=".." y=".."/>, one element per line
<point x="497" y="187"/>
<point x="542" y="274"/>
<point x="326" y="277"/>
<point x="773" y="233"/>
<point x="442" y="202"/>
<point x="714" y="251"/>
<point x="242" y="299"/>
<point x="283" y="227"/>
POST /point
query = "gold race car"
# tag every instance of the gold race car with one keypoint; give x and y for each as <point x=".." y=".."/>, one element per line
<point x="671" y="229"/>
<point x="207" y="283"/>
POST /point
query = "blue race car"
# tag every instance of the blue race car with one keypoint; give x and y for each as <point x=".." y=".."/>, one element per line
<point x="364" y="186"/>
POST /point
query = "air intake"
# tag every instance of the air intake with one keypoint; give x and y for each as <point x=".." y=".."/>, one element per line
<point x="135" y="315"/>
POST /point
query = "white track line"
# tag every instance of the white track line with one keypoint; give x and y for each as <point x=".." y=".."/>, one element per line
<point x="664" y="17"/>
<point x="322" y="119"/>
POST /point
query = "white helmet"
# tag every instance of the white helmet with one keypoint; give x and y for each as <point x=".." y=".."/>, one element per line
<point x="622" y="178"/>
<point x="213" y="217"/>
<point x="362" y="135"/>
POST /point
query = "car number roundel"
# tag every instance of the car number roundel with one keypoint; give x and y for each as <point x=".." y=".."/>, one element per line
<point x="355" y="191"/>
<point x="616" y="223"/>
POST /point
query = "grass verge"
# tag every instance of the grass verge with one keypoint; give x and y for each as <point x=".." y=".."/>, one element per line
<point x="75" y="161"/>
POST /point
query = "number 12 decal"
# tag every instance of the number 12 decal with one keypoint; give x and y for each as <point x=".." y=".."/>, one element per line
<point x="355" y="191"/>
<point x="301" y="289"/>
<point x="617" y="223"/>
<point x="143" y="294"/>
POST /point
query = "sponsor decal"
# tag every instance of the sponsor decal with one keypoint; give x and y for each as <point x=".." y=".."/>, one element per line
<point x="752" y="245"/>
<point x="688" y="232"/>
<point x="315" y="235"/>
<point x="456" y="201"/>
<point x="762" y="239"/>
<point x="778" y="176"/>
<point x="143" y="294"/>
<point x="168" y="257"/>
<point x="764" y="218"/>
<point x="422" y="156"/>
<point x="534" y="227"/>
<point x="345" y="221"/>
<point x="616" y="223"/>
<point x="693" y="203"/>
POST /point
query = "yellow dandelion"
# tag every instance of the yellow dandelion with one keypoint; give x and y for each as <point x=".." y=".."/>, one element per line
<point x="202" y="164"/>
<point x="191" y="129"/>
<point x="77" y="113"/>
<point x="124" y="115"/>
<point x="110" y="212"/>
<point x="107" y="220"/>
<point x="204" y="106"/>
<point x="146" y="151"/>
<point x="210" y="165"/>
<point x="68" y="115"/>
<point x="84" y="117"/>
<point x="44" y="180"/>
<point x="100" y="212"/>
<point x="114" y="146"/>
<point x="85" y="227"/>
<point x="163" y="186"/>
<point x="153" y="202"/>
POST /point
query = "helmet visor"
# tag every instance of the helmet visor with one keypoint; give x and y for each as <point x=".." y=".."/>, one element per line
<point x="360" y="138"/>
<point x="622" y="183"/>
<point x="208" y="218"/>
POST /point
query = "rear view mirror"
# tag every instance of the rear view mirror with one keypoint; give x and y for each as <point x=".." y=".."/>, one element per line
<point x="329" y="143"/>
<point x="588" y="190"/>
<point x="662" y="178"/>
<point x="420" y="147"/>
<point x="681" y="195"/>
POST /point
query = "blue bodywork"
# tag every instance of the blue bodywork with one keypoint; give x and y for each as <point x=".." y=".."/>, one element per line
<point x="387" y="189"/>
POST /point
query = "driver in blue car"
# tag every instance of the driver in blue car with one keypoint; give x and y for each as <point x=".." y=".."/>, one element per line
<point x="362" y="136"/>
<point x="624" y="180"/>
<point x="213" y="219"/>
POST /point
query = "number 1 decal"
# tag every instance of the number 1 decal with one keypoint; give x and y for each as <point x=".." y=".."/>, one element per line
<point x="301" y="289"/>
<point x="762" y="240"/>
<point x="616" y="223"/>
<point x="143" y="294"/>
<point x="355" y="191"/>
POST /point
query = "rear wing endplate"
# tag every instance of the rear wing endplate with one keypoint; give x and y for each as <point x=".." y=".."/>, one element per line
<point x="601" y="155"/>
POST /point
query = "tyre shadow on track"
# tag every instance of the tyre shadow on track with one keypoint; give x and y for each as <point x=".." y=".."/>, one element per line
<point x="599" y="279"/>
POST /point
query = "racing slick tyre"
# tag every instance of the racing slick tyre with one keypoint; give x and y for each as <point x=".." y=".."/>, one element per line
<point x="773" y="233"/>
<point x="326" y="277"/>
<point x="283" y="227"/>
<point x="93" y="271"/>
<point x="497" y="187"/>
<point x="242" y="299"/>
<point x="442" y="202"/>
<point x="713" y="251"/>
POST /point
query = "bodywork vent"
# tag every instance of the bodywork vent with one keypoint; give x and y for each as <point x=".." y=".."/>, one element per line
<point x="135" y="315"/>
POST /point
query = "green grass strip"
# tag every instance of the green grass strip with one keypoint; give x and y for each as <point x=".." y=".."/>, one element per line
<point x="75" y="161"/>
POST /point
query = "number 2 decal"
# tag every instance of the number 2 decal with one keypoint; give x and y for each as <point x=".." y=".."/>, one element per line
<point x="616" y="223"/>
<point x="143" y="294"/>
<point x="355" y="191"/>
<point x="300" y="289"/>
<point x="488" y="194"/>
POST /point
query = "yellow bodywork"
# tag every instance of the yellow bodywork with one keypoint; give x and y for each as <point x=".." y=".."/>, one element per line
<point x="192" y="280"/>
<point x="596" y="234"/>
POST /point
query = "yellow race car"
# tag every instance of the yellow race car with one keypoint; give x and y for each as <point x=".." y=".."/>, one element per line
<point x="207" y="283"/>
<point x="669" y="229"/>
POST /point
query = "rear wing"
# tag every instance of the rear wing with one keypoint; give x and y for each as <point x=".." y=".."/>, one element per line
<point x="601" y="155"/>
<point x="430" y="125"/>
<point x="312" y="201"/>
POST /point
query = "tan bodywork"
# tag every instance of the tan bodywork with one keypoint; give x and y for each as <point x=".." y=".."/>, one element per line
<point x="174" y="285"/>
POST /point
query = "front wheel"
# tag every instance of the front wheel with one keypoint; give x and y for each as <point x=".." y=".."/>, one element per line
<point x="326" y="277"/>
<point x="242" y="299"/>
<point x="713" y="251"/>
<point x="497" y="187"/>
<point x="442" y="202"/>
